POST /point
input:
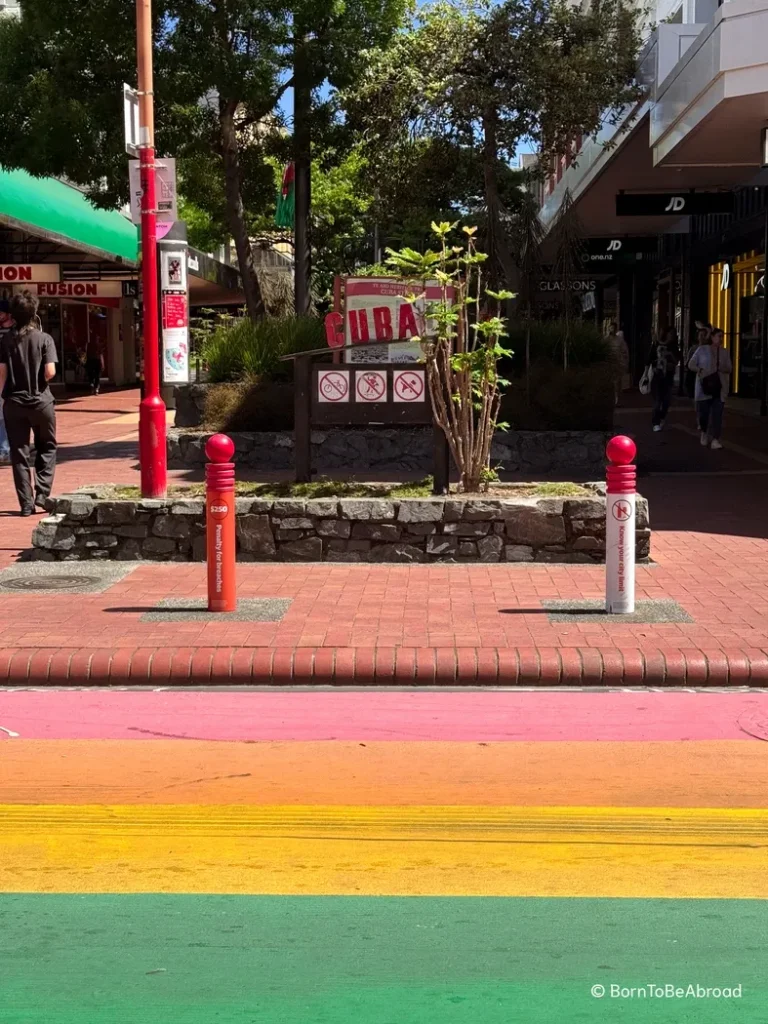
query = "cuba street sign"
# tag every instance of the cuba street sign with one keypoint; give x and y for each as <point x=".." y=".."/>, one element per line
<point x="672" y="204"/>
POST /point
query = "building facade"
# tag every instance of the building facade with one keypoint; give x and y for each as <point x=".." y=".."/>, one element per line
<point x="695" y="132"/>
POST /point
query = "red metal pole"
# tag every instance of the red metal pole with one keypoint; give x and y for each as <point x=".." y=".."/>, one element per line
<point x="152" y="426"/>
<point x="220" y="524"/>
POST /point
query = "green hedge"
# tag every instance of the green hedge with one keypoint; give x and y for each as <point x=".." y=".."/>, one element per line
<point x="249" y="351"/>
<point x="586" y="345"/>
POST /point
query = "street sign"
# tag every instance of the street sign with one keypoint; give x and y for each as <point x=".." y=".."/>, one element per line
<point x="165" y="176"/>
<point x="408" y="386"/>
<point x="671" y="204"/>
<point x="371" y="386"/>
<point x="131" y="120"/>
<point x="333" y="386"/>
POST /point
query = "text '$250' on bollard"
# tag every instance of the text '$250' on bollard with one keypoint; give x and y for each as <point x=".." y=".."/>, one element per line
<point x="220" y="524"/>
<point x="620" y="518"/>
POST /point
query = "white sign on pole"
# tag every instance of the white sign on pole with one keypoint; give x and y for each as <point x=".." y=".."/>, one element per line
<point x="131" y="120"/>
<point x="165" y="179"/>
<point x="620" y="554"/>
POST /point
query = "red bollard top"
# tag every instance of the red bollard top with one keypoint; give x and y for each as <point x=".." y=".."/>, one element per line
<point x="219" y="448"/>
<point x="621" y="450"/>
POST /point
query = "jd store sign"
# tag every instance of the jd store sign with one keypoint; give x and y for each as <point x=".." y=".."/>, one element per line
<point x="607" y="252"/>
<point x="671" y="204"/>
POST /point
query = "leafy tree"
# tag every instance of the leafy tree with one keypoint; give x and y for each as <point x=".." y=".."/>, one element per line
<point x="222" y="68"/>
<point x="568" y="236"/>
<point x="486" y="77"/>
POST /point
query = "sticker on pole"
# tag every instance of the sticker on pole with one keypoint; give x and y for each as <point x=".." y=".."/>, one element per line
<point x="333" y="386"/>
<point x="408" y="385"/>
<point x="371" y="386"/>
<point x="621" y="511"/>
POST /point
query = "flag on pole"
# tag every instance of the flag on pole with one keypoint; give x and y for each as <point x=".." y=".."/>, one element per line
<point x="286" y="200"/>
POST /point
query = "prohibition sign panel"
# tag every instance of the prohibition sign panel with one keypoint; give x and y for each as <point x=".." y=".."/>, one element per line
<point x="371" y="386"/>
<point x="333" y="386"/>
<point x="408" y="386"/>
<point x="622" y="511"/>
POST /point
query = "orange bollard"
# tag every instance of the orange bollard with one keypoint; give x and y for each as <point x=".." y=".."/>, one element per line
<point x="220" y="524"/>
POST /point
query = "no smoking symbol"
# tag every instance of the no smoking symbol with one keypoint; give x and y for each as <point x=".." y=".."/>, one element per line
<point x="622" y="511"/>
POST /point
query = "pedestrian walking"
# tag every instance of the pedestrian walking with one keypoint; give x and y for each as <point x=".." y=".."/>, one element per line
<point x="663" y="359"/>
<point x="94" y="367"/>
<point x="27" y="365"/>
<point x="712" y="365"/>
<point x="619" y="360"/>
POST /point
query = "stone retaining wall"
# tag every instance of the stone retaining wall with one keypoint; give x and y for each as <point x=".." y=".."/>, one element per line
<point x="84" y="526"/>
<point x="579" y="454"/>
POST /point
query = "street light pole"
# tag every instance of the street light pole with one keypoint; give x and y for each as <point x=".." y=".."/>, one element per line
<point x="152" y="428"/>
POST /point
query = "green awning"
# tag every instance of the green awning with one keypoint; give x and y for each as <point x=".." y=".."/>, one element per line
<point x="55" y="211"/>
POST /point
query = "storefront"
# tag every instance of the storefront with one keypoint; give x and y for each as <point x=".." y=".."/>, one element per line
<point x="736" y="297"/>
<point x="84" y="318"/>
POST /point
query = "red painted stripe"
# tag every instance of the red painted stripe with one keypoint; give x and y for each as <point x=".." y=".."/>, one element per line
<point x="372" y="715"/>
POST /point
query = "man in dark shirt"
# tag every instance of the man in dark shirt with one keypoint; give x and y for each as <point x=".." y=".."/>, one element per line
<point x="27" y="363"/>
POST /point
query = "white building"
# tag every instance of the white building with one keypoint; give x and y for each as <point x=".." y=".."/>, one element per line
<point x="698" y="127"/>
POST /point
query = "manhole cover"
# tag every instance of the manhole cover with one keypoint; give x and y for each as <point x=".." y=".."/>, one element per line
<point x="50" y="582"/>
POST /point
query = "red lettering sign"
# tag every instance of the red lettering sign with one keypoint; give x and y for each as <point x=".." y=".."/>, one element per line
<point x="382" y="323"/>
<point x="407" y="327"/>
<point x="334" y="335"/>
<point x="358" y="326"/>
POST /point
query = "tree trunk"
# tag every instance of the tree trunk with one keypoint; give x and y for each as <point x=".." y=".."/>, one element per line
<point x="499" y="257"/>
<point x="254" y="300"/>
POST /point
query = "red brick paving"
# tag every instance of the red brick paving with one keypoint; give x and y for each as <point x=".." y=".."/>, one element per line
<point x="391" y="624"/>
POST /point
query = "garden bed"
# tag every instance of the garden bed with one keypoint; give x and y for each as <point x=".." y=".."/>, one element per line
<point x="532" y="454"/>
<point x="88" y="525"/>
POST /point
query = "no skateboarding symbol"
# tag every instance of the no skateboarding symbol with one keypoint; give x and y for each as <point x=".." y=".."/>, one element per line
<point x="408" y="385"/>
<point x="333" y="386"/>
<point x="371" y="386"/>
<point x="622" y="511"/>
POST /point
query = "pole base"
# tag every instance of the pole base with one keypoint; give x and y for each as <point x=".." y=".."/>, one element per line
<point x="153" y="458"/>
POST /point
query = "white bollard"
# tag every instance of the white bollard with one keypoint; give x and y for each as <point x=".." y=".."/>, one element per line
<point x="621" y="486"/>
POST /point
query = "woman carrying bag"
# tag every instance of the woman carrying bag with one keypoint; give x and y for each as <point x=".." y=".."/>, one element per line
<point x="712" y="365"/>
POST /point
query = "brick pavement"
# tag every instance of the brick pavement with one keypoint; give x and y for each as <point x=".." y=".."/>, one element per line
<point x="380" y="624"/>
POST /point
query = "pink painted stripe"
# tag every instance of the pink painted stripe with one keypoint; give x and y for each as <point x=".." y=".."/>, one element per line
<point x="370" y="715"/>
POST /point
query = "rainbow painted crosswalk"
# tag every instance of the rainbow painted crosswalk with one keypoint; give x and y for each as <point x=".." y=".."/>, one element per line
<point x="382" y="857"/>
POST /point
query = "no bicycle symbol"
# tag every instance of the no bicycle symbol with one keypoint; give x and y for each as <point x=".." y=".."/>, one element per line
<point x="371" y="386"/>
<point x="333" y="386"/>
<point x="622" y="511"/>
<point x="408" y="385"/>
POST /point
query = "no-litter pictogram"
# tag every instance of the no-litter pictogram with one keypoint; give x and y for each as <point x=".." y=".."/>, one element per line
<point x="408" y="385"/>
<point x="333" y="386"/>
<point x="622" y="511"/>
<point x="371" y="386"/>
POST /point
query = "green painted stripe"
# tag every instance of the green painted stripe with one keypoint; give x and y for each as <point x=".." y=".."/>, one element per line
<point x="134" y="959"/>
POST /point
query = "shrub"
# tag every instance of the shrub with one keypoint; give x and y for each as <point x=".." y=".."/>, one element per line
<point x="586" y="345"/>
<point x="249" y="407"/>
<point x="250" y="351"/>
<point x="580" y="398"/>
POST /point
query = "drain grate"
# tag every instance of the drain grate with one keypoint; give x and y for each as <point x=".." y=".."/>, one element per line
<point x="50" y="583"/>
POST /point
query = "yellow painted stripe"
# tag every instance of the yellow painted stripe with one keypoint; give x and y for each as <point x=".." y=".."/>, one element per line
<point x="293" y="850"/>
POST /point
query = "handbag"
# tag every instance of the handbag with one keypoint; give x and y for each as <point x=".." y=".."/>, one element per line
<point x="645" y="381"/>
<point x="711" y="385"/>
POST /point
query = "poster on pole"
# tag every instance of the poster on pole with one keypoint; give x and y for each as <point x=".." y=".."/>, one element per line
<point x="174" y="315"/>
<point x="378" y="311"/>
<point x="165" y="190"/>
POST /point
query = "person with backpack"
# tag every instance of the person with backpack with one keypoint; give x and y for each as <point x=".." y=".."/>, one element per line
<point x="662" y="362"/>
<point x="713" y="367"/>
<point x="27" y="365"/>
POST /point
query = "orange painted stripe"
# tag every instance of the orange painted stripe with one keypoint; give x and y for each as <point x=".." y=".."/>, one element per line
<point x="664" y="774"/>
